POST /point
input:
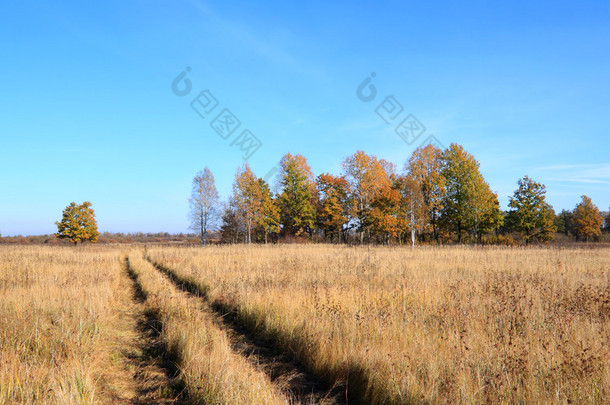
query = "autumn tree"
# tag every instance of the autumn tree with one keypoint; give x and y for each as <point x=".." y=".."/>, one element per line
<point x="469" y="204"/>
<point x="78" y="223"/>
<point x="297" y="197"/>
<point x="204" y="204"/>
<point x="530" y="214"/>
<point x="588" y="220"/>
<point x="268" y="213"/>
<point x="385" y="217"/>
<point x="246" y="197"/>
<point x="485" y="207"/>
<point x="252" y="206"/>
<point x="424" y="169"/>
<point x="366" y="176"/>
<point x="334" y="205"/>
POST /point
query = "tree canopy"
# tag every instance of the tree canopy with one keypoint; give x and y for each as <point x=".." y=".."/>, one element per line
<point x="440" y="196"/>
<point x="366" y="176"/>
<point x="78" y="223"/>
<point x="530" y="214"/>
<point x="296" y="200"/>
<point x="588" y="220"/>
<point x="424" y="168"/>
<point x="469" y="205"/>
<point x="334" y="205"/>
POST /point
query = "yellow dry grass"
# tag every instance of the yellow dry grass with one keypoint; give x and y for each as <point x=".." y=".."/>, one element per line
<point x="211" y="371"/>
<point x="400" y="325"/>
<point x="440" y="325"/>
<point x="62" y="327"/>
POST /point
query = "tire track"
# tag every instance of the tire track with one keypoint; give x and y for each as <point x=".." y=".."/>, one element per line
<point x="156" y="374"/>
<point x="292" y="378"/>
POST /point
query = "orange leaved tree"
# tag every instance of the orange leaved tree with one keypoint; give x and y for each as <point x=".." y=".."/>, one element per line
<point x="334" y="205"/>
<point x="587" y="219"/>
<point x="367" y="176"/>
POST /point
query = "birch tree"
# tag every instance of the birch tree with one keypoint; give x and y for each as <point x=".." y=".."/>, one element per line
<point x="204" y="204"/>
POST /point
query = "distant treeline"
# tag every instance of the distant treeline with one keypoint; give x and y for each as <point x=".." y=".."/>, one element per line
<point x="107" y="237"/>
<point x="439" y="196"/>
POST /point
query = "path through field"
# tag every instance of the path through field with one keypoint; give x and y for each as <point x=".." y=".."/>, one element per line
<point x="289" y="376"/>
<point x="156" y="374"/>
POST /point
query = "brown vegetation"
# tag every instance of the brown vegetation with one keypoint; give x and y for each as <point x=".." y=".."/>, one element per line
<point x="378" y="324"/>
<point x="63" y="329"/>
<point x="440" y="325"/>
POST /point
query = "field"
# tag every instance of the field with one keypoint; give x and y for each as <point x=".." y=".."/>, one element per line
<point x="304" y="324"/>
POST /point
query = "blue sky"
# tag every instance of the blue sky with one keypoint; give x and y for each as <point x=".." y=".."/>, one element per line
<point x="88" y="113"/>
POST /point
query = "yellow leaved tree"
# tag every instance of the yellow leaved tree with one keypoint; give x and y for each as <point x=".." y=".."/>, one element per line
<point x="78" y="223"/>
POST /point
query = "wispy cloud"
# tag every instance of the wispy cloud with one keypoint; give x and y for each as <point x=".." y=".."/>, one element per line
<point x="253" y="42"/>
<point x="579" y="173"/>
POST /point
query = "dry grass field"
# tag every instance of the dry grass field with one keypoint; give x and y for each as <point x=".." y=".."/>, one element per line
<point x="400" y="325"/>
<point x="62" y="326"/>
<point x="303" y="324"/>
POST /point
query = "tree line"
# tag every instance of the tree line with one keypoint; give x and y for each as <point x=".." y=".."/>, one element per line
<point x="440" y="196"/>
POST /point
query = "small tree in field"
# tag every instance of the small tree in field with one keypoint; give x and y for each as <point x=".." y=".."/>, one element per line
<point x="78" y="223"/>
<point x="587" y="219"/>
